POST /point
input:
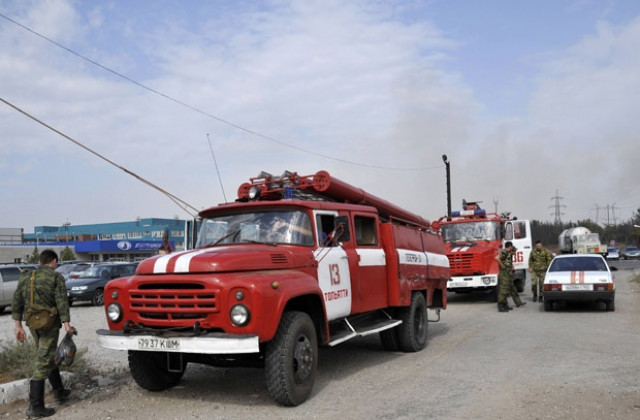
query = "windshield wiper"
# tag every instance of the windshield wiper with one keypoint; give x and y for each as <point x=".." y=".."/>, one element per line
<point x="253" y="241"/>
<point x="232" y="234"/>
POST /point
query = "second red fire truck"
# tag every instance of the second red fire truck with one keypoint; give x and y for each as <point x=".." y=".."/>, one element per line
<point x="473" y="238"/>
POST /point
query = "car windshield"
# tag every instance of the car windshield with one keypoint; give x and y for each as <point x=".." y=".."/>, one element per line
<point x="612" y="249"/>
<point x="632" y="249"/>
<point x="272" y="227"/>
<point x="473" y="231"/>
<point x="578" y="264"/>
<point x="65" y="269"/>
<point x="95" y="272"/>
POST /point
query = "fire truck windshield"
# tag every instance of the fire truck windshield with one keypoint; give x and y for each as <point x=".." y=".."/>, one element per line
<point x="471" y="231"/>
<point x="271" y="227"/>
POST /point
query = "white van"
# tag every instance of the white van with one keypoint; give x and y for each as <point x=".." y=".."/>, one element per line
<point x="9" y="276"/>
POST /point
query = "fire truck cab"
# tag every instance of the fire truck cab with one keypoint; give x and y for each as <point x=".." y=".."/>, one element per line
<point x="473" y="238"/>
<point x="296" y="262"/>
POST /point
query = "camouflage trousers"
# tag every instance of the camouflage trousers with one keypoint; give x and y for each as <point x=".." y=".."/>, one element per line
<point x="537" y="281"/>
<point x="507" y="288"/>
<point x="46" y="345"/>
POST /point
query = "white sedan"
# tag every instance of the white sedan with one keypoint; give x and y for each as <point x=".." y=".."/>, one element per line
<point x="579" y="277"/>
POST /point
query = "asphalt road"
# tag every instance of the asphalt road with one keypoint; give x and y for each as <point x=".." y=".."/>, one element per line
<point x="578" y="362"/>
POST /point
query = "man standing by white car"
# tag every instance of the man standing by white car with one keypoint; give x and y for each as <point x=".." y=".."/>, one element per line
<point x="539" y="261"/>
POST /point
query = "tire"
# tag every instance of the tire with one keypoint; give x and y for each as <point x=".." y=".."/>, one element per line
<point x="548" y="305"/>
<point x="291" y="359"/>
<point x="389" y="339"/>
<point x="149" y="370"/>
<point x="611" y="305"/>
<point x="2" y="309"/>
<point x="70" y="302"/>
<point x="412" y="333"/>
<point x="98" y="297"/>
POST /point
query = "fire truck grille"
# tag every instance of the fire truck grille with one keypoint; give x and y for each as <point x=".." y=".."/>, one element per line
<point x="461" y="261"/>
<point x="167" y="303"/>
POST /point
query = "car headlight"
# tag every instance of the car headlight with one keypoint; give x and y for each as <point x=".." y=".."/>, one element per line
<point x="114" y="312"/>
<point x="79" y="288"/>
<point x="240" y="315"/>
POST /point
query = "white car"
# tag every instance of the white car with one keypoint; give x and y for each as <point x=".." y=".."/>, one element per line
<point x="579" y="277"/>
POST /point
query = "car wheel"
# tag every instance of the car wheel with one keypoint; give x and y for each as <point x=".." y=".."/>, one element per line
<point x="150" y="370"/>
<point x="611" y="305"/>
<point x="548" y="305"/>
<point x="98" y="297"/>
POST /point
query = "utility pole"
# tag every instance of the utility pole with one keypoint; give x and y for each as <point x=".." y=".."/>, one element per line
<point x="446" y="164"/>
<point x="557" y="212"/>
<point x="495" y="204"/>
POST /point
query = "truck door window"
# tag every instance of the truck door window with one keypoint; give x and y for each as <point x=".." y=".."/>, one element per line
<point x="519" y="230"/>
<point x="326" y="223"/>
<point x="508" y="234"/>
<point x="365" y="231"/>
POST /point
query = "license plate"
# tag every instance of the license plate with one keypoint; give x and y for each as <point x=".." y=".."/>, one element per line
<point x="159" y="344"/>
<point x="458" y="284"/>
<point x="571" y="287"/>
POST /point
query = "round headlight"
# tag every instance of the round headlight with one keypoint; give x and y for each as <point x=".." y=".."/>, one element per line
<point x="254" y="193"/>
<point x="114" y="312"/>
<point x="240" y="315"/>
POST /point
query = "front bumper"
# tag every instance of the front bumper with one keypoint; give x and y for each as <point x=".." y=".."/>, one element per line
<point x="462" y="283"/>
<point x="211" y="343"/>
<point x="580" y="296"/>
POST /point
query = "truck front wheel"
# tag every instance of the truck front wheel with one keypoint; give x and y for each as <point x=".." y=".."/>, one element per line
<point x="413" y="330"/>
<point x="151" y="371"/>
<point x="291" y="359"/>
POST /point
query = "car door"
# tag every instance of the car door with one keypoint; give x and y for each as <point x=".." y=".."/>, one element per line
<point x="519" y="233"/>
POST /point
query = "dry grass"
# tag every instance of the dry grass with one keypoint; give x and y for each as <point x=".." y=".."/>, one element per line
<point x="16" y="360"/>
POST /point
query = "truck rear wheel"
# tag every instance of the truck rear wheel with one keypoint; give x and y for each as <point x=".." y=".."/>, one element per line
<point x="412" y="333"/>
<point x="150" y="370"/>
<point x="291" y="359"/>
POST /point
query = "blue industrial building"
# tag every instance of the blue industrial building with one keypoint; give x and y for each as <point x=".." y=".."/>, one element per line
<point x="124" y="241"/>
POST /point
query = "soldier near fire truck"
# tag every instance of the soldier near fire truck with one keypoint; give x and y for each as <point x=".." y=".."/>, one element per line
<point x="42" y="290"/>
<point x="505" y="281"/>
<point x="539" y="261"/>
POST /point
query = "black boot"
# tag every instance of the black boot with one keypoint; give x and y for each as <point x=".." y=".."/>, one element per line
<point x="60" y="394"/>
<point x="502" y="307"/>
<point x="36" y="401"/>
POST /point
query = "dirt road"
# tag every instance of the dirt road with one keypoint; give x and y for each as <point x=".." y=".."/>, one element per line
<point x="578" y="362"/>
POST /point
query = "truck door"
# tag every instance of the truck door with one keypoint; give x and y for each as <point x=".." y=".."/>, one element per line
<point x="333" y="267"/>
<point x="369" y="273"/>
<point x="519" y="232"/>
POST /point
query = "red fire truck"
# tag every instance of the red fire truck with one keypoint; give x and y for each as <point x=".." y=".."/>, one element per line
<point x="296" y="262"/>
<point x="473" y="238"/>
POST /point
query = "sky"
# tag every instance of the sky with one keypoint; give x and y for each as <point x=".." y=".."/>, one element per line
<point x="529" y="100"/>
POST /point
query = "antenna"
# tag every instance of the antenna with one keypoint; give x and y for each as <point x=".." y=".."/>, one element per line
<point x="217" y="170"/>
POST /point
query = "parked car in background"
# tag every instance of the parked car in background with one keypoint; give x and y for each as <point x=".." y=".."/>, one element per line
<point x="580" y="278"/>
<point x="631" y="253"/>
<point x="90" y="285"/>
<point x="9" y="276"/>
<point x="613" y="253"/>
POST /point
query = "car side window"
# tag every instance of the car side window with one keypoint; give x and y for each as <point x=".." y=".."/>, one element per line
<point x="10" y="274"/>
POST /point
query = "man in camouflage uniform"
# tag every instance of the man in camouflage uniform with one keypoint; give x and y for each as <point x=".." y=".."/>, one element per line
<point x="49" y="290"/>
<point x="505" y="280"/>
<point x="539" y="261"/>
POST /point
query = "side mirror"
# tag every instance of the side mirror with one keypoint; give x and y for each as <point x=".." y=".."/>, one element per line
<point x="343" y="221"/>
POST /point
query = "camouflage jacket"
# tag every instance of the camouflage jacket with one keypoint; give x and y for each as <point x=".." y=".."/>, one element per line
<point x="49" y="289"/>
<point x="507" y="260"/>
<point x="540" y="260"/>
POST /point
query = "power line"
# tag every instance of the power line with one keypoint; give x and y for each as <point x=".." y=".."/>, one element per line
<point x="181" y="203"/>
<point x="207" y="114"/>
